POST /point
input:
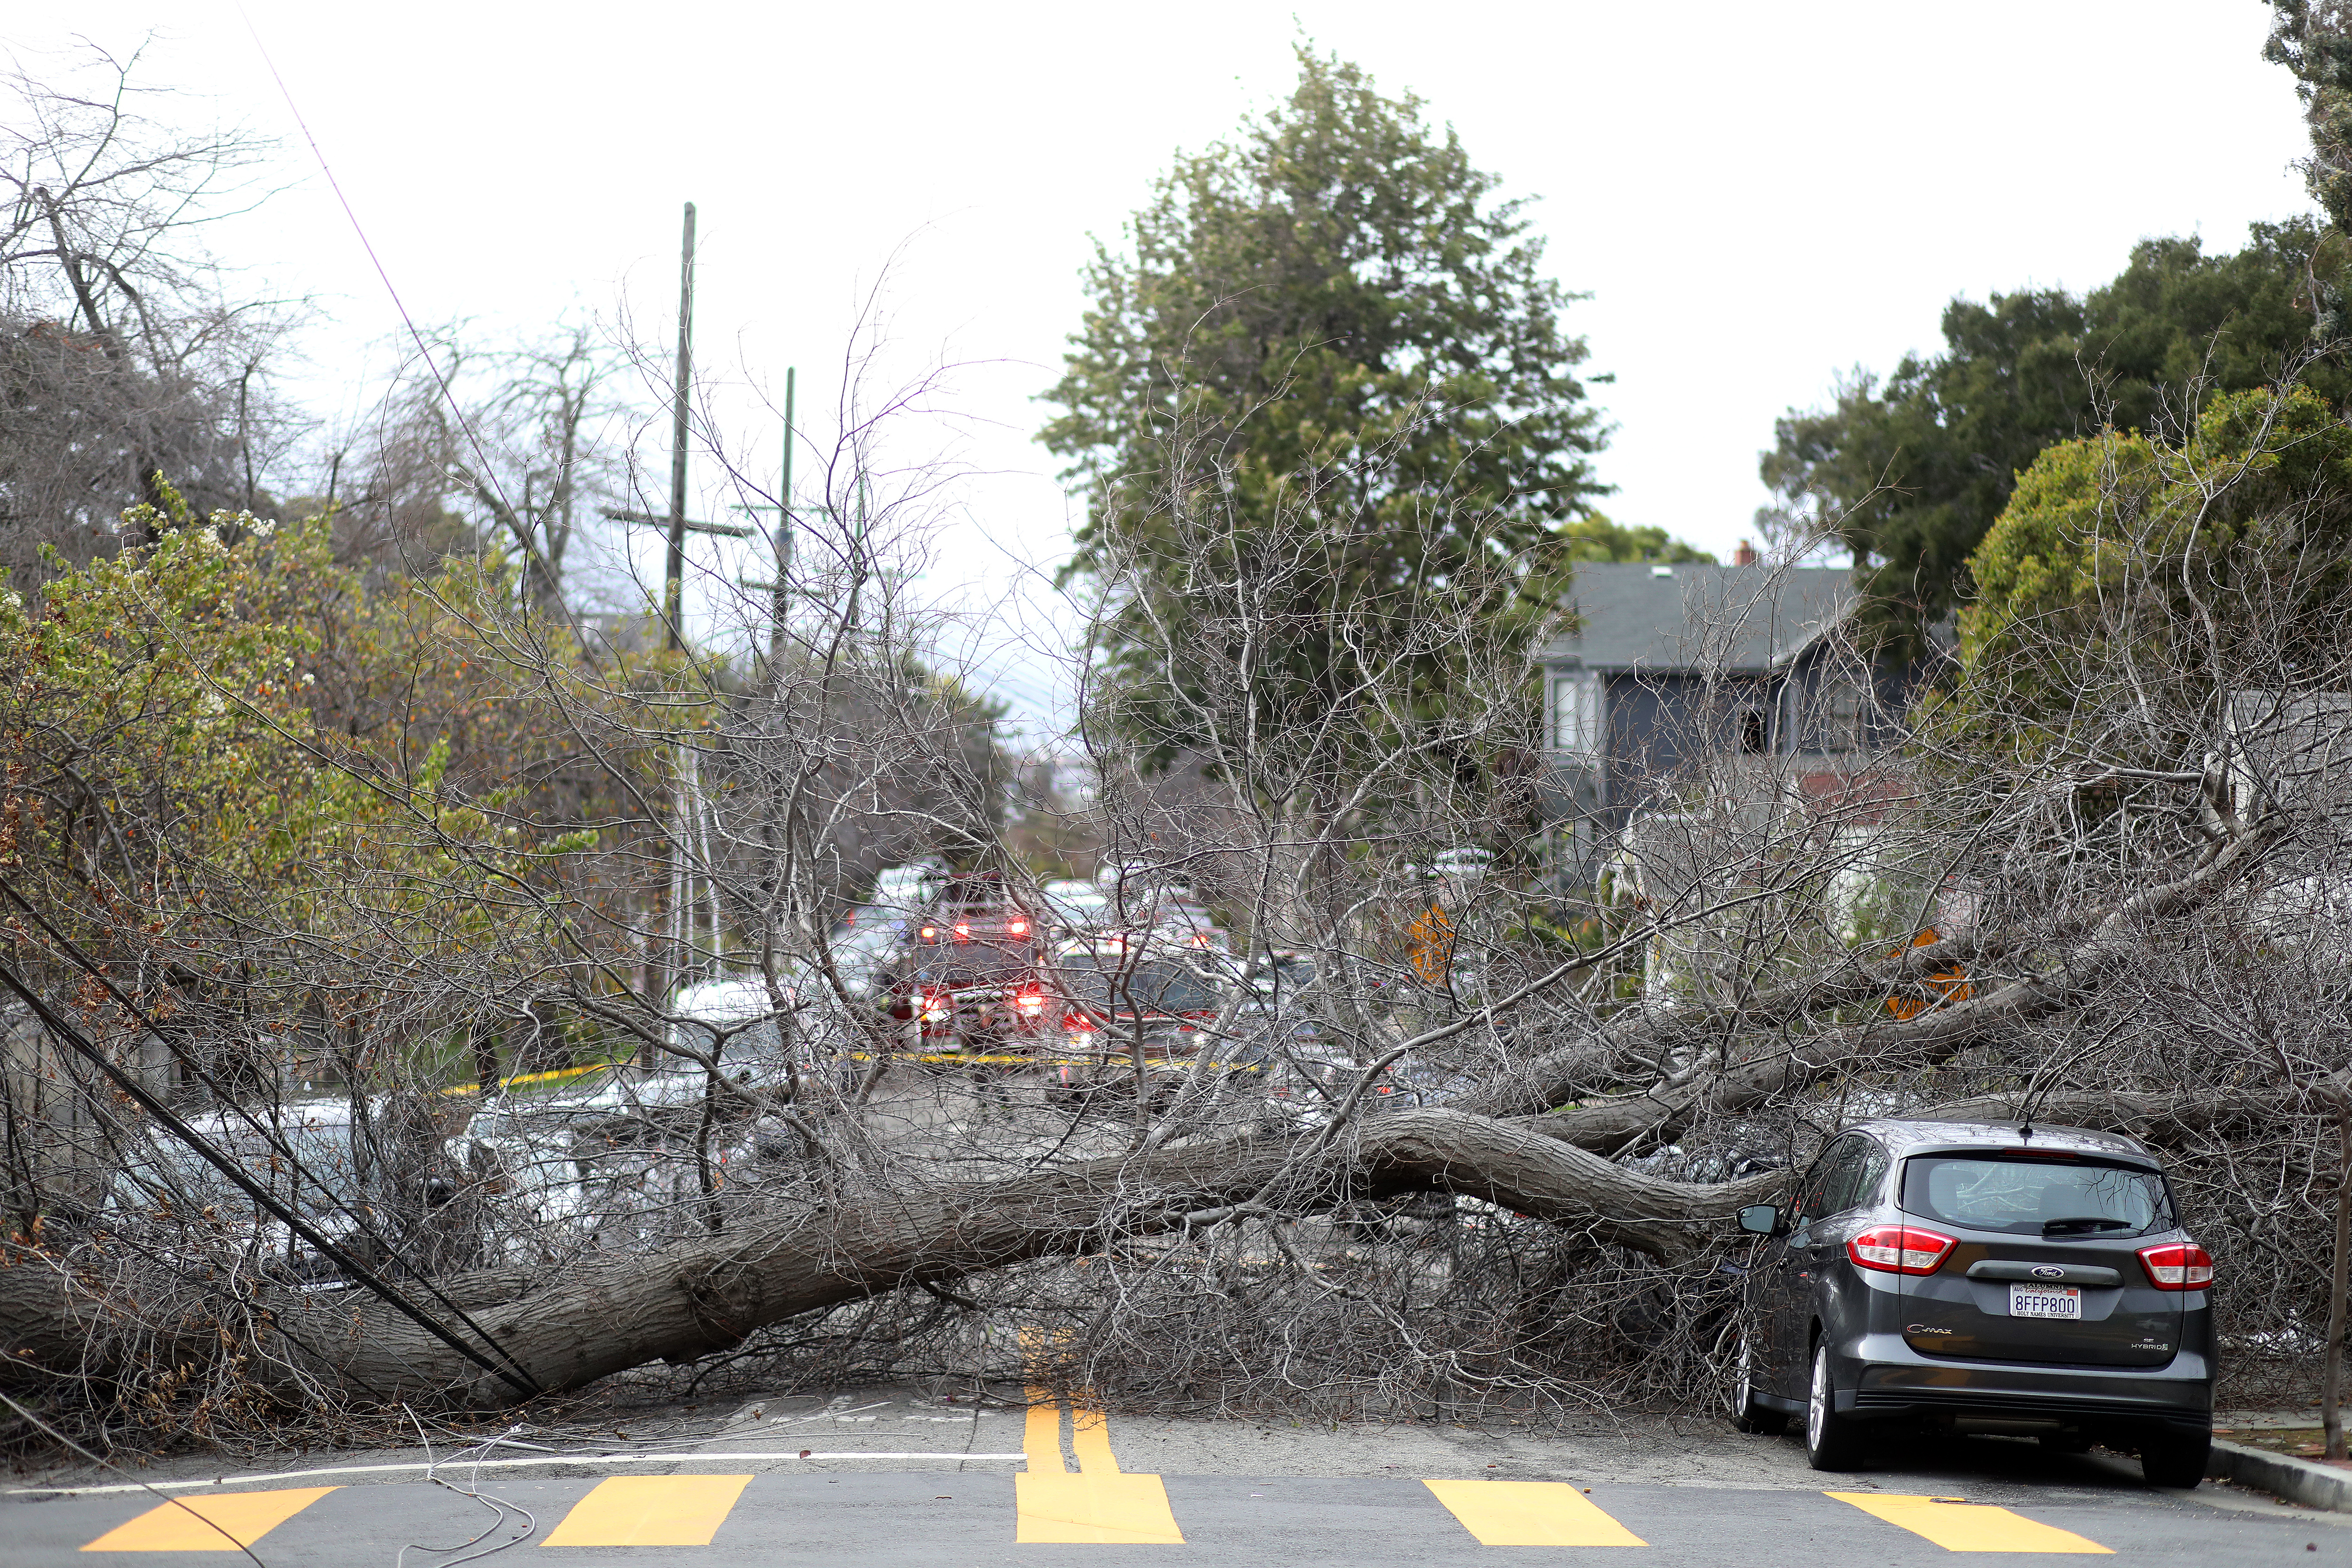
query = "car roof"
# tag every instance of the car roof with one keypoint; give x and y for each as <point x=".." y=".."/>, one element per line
<point x="296" y="1113"/>
<point x="723" y="1001"/>
<point x="1907" y="1135"/>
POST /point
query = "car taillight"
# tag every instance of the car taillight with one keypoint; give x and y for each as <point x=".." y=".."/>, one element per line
<point x="1078" y="1023"/>
<point x="1029" y="1000"/>
<point x="1900" y="1249"/>
<point x="1016" y="928"/>
<point x="930" y="933"/>
<point x="964" y="931"/>
<point x="2177" y="1266"/>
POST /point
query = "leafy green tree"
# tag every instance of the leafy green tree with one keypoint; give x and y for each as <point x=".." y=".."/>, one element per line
<point x="2180" y="570"/>
<point x="1327" y="324"/>
<point x="1913" y="469"/>
<point x="1594" y="537"/>
<point x="227" y="768"/>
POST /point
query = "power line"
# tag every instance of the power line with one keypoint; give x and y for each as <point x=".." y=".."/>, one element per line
<point x="262" y="1197"/>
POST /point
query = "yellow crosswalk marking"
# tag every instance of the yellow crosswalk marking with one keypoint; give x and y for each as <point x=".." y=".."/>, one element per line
<point x="1100" y="1509"/>
<point x="650" y="1510"/>
<point x="1956" y="1525"/>
<point x="1531" y="1513"/>
<point x="1098" y="1506"/>
<point x="212" y="1521"/>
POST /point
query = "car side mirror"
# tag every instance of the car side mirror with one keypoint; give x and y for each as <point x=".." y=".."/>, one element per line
<point x="1761" y="1219"/>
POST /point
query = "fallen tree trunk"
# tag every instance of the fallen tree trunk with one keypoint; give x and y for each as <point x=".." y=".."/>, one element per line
<point x="694" y="1300"/>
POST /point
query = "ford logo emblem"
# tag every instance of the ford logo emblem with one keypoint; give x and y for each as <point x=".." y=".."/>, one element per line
<point x="2049" y="1271"/>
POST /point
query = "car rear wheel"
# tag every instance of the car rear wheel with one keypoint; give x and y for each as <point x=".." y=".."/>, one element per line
<point x="1831" y="1443"/>
<point x="1747" y="1414"/>
<point x="2175" y="1459"/>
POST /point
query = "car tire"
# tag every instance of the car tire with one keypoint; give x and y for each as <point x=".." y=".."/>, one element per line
<point x="1831" y="1440"/>
<point x="1747" y="1414"/>
<point x="2175" y="1459"/>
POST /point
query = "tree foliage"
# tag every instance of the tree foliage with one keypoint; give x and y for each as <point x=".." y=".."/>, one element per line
<point x="1329" y="316"/>
<point x="1912" y="470"/>
<point x="229" y="761"/>
<point x="2214" y="563"/>
<point x="1596" y="537"/>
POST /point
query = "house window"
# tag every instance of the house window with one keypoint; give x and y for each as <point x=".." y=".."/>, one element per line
<point x="1576" y="715"/>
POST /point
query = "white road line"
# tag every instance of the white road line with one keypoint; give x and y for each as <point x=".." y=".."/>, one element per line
<point x="453" y="1465"/>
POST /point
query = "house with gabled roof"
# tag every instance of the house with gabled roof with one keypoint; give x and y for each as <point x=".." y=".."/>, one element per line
<point x="1660" y="665"/>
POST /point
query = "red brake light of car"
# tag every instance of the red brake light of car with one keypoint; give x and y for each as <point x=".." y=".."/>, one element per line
<point x="1017" y="927"/>
<point x="964" y="931"/>
<point x="2177" y="1266"/>
<point x="1900" y="1249"/>
<point x="930" y="933"/>
<point x="1029" y="999"/>
<point x="1078" y="1023"/>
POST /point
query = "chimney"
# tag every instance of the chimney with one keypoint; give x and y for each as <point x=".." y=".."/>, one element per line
<point x="1745" y="555"/>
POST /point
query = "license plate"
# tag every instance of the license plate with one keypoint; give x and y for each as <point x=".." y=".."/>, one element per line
<point x="2045" y="1302"/>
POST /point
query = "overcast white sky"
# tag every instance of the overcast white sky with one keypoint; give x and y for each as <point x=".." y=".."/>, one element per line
<point x="1754" y="196"/>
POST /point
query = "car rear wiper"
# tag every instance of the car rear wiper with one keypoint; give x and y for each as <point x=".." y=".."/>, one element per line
<point x="2082" y="1226"/>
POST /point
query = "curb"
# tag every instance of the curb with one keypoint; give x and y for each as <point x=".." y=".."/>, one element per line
<point x="2297" y="1480"/>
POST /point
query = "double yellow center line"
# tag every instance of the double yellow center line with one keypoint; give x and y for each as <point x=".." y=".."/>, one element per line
<point x="1100" y="1504"/>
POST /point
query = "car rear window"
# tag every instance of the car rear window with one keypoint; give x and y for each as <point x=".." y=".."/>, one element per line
<point x="2036" y="1197"/>
<point x="1153" y="985"/>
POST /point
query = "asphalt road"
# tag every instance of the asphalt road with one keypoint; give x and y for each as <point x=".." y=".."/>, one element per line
<point x="890" y="1479"/>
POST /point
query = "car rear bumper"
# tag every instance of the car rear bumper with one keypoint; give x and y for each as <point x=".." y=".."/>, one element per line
<point x="1888" y="1379"/>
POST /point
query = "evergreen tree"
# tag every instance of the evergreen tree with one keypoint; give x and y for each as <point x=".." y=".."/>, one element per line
<point x="1327" y="323"/>
<point x="1913" y="469"/>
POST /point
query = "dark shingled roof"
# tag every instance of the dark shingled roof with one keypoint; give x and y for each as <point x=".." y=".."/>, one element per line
<point x="1739" y="619"/>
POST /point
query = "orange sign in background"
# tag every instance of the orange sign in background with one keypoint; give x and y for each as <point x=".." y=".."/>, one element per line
<point x="1949" y="984"/>
<point x="1429" y="942"/>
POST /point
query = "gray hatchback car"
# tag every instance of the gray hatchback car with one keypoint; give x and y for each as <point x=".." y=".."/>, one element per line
<point x="1982" y="1276"/>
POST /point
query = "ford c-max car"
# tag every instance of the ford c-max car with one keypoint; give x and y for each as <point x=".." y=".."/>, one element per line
<point x="2026" y="1278"/>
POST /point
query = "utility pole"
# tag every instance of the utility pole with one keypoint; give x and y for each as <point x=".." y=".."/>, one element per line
<point x="780" y="590"/>
<point x="678" y="525"/>
<point x="674" y="573"/>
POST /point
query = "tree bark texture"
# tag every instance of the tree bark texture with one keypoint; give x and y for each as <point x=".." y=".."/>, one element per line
<point x="694" y="1300"/>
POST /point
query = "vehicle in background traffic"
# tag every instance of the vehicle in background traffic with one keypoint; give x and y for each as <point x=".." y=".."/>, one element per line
<point x="1116" y="999"/>
<point x="864" y="947"/>
<point x="366" y="1190"/>
<point x="735" y="1020"/>
<point x="1141" y="900"/>
<point x="1279" y="975"/>
<point x="2035" y="1278"/>
<point x="907" y="891"/>
<point x="968" y="979"/>
<point x="1075" y="907"/>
